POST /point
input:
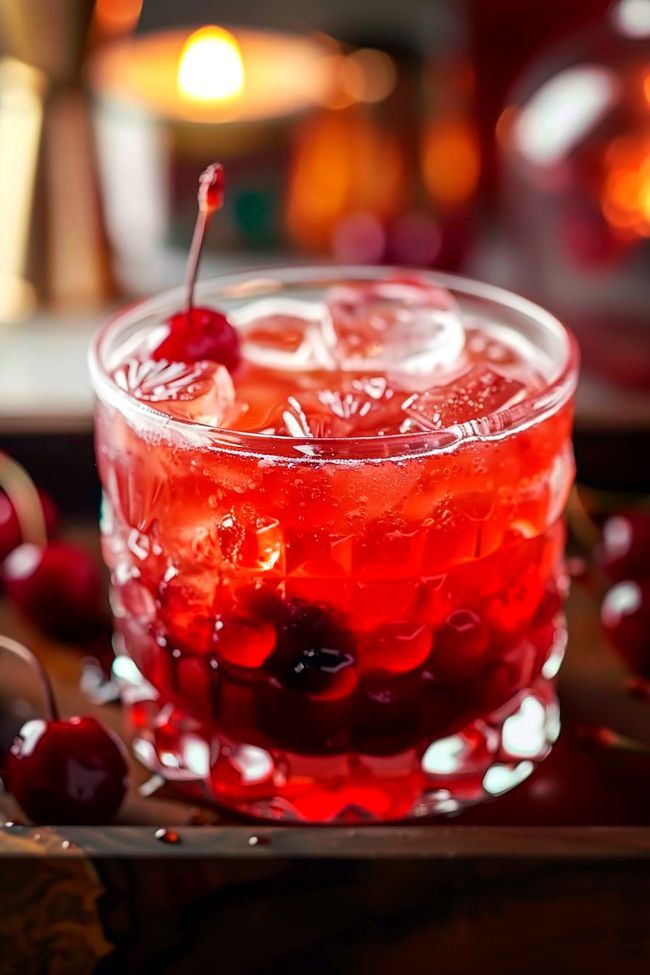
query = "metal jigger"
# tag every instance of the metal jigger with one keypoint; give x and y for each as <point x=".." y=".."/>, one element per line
<point x="52" y="247"/>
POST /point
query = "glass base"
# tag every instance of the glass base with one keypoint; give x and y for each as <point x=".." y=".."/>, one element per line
<point x="486" y="758"/>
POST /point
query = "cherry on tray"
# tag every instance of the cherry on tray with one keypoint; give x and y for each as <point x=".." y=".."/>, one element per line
<point x="58" y="587"/>
<point x="67" y="772"/>
<point x="64" y="771"/>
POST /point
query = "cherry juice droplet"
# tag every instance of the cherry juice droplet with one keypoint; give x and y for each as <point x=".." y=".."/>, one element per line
<point x="167" y="836"/>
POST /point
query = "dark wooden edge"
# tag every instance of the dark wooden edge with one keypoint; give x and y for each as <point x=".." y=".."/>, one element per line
<point x="406" y="843"/>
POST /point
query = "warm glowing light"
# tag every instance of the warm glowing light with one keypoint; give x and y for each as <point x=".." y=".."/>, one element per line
<point x="337" y="96"/>
<point x="117" y="16"/>
<point x="211" y="77"/>
<point x="646" y="87"/>
<point x="626" y="189"/>
<point x="450" y="161"/>
<point x="343" y="164"/>
<point x="365" y="75"/>
<point x="211" y="67"/>
<point x="369" y="75"/>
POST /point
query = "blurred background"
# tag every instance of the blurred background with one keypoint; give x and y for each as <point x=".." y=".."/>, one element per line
<point x="505" y="140"/>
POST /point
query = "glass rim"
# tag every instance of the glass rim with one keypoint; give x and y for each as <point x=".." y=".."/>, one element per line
<point x="495" y="426"/>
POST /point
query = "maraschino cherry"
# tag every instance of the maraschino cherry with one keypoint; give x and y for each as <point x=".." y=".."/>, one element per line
<point x="57" y="585"/>
<point x="199" y="333"/>
<point x="64" y="771"/>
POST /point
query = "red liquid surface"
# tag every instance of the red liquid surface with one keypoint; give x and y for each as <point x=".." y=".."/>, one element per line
<point x="326" y="639"/>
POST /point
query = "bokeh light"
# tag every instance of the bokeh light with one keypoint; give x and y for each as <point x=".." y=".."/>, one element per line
<point x="211" y="66"/>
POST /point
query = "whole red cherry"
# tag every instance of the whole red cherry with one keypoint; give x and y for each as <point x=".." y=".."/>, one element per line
<point x="201" y="333"/>
<point x="64" y="771"/>
<point x="58" y="587"/>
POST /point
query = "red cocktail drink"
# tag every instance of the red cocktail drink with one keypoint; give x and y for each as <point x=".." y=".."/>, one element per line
<point x="337" y="568"/>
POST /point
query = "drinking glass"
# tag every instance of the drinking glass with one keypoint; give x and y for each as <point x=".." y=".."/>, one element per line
<point x="427" y="564"/>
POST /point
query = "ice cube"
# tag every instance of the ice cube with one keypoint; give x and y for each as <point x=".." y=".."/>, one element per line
<point x="476" y="394"/>
<point x="286" y="334"/>
<point x="397" y="326"/>
<point x="200" y="391"/>
<point x="363" y="406"/>
<point x="310" y="417"/>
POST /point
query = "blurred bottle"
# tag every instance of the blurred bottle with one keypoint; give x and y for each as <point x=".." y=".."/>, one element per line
<point x="505" y="36"/>
<point x="576" y="163"/>
<point x="388" y="170"/>
<point x="52" y="245"/>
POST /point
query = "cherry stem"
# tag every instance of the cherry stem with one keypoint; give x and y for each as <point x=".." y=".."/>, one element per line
<point x="608" y="738"/>
<point x="21" y="651"/>
<point x="210" y="199"/>
<point x="20" y="489"/>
